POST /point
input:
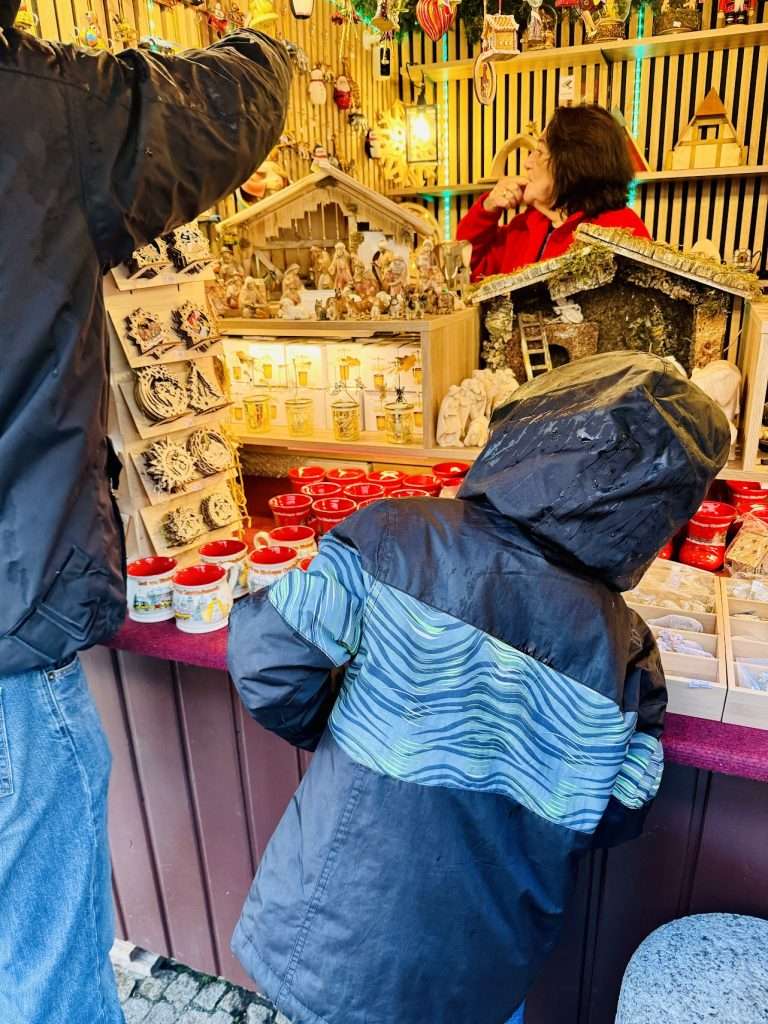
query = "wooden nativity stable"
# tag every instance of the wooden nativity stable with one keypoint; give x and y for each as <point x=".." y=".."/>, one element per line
<point x="612" y="292"/>
<point x="319" y="210"/>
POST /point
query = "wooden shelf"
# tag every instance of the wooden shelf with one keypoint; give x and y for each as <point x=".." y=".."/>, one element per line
<point x="370" y="448"/>
<point x="644" y="178"/>
<point x="610" y="52"/>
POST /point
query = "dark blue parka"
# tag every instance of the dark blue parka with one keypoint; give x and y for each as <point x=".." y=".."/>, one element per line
<point x="98" y="155"/>
<point x="501" y="706"/>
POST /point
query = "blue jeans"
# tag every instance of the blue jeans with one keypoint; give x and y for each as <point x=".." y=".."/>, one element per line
<point x="56" y="926"/>
<point x="518" y="1017"/>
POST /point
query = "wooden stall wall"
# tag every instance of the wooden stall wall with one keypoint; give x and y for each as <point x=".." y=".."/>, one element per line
<point x="730" y="208"/>
<point x="187" y="27"/>
<point x="198" y="788"/>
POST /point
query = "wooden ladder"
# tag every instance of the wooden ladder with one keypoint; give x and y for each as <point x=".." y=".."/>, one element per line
<point x="534" y="345"/>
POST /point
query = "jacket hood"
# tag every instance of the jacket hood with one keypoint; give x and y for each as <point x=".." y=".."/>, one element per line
<point x="602" y="461"/>
<point x="8" y="11"/>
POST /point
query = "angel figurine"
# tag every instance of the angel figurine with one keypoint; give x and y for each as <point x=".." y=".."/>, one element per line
<point x="340" y="269"/>
<point x="449" y="420"/>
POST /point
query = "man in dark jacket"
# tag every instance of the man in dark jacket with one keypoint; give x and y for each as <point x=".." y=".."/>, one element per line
<point x="501" y="709"/>
<point x="98" y="156"/>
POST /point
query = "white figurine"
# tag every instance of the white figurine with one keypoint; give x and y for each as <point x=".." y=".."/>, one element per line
<point x="318" y="94"/>
<point x="477" y="434"/>
<point x="477" y="397"/>
<point x="449" y="425"/>
<point x="506" y="385"/>
<point x="721" y="381"/>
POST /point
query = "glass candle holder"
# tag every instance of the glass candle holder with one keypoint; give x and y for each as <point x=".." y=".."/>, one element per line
<point x="300" y="413"/>
<point x="417" y="374"/>
<point x="418" y="419"/>
<point x="257" y="413"/>
<point x="381" y="420"/>
<point x="378" y="381"/>
<point x="399" y="422"/>
<point x="346" y="419"/>
<point x="266" y="369"/>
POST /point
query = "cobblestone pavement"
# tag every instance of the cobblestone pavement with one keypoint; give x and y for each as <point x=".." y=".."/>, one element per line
<point x="169" y="993"/>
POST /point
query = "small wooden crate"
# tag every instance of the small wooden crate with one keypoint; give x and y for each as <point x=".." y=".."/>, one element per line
<point x="746" y="644"/>
<point x="754" y="368"/>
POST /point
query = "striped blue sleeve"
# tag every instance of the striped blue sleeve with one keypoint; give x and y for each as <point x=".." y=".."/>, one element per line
<point x="640" y="774"/>
<point x="325" y="604"/>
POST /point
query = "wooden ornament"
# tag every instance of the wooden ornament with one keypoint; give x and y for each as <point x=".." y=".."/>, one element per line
<point x="182" y="526"/>
<point x="710" y="140"/>
<point x="160" y="395"/>
<point x="203" y="393"/>
<point x="146" y="331"/>
<point x="209" y="451"/>
<point x="218" y="510"/>
<point x="169" y="465"/>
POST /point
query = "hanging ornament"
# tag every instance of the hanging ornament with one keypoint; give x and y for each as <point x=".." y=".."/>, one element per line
<point x="260" y="13"/>
<point x="236" y="17"/>
<point x="358" y="122"/>
<point x="217" y="19"/>
<point x="436" y="17"/>
<point x="124" y="33"/>
<point x="91" y="38"/>
<point x="382" y="70"/>
<point x="342" y="93"/>
<point x="299" y="57"/>
<point x="302" y="9"/>
<point x="318" y="94"/>
<point x="26" y="21"/>
<point x="373" y="147"/>
<point x="386" y="17"/>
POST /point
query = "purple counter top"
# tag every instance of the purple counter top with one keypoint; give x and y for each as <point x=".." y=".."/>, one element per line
<point x="711" y="746"/>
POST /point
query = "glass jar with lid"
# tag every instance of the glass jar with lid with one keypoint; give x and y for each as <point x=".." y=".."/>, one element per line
<point x="346" y="418"/>
<point x="399" y="420"/>
<point x="300" y="414"/>
<point x="257" y="412"/>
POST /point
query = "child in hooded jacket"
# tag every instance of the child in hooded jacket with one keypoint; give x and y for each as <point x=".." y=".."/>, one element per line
<point x="501" y="709"/>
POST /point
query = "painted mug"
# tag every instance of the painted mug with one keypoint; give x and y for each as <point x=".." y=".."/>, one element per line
<point x="232" y="555"/>
<point x="300" y="538"/>
<point x="150" y="589"/>
<point x="290" y="509"/>
<point x="202" y="598"/>
<point x="266" y="566"/>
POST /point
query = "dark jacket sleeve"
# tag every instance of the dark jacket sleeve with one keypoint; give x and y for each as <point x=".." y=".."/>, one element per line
<point x="286" y="642"/>
<point x="645" y="693"/>
<point x="161" y="139"/>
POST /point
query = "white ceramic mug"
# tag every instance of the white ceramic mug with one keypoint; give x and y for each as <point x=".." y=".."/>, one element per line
<point x="202" y="598"/>
<point x="150" y="589"/>
<point x="300" y="538"/>
<point x="266" y="565"/>
<point x="232" y="554"/>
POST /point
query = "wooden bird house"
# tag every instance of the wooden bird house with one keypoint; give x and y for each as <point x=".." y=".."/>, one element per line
<point x="710" y="140"/>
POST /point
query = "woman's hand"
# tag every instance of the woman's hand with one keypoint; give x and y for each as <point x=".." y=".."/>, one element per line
<point x="507" y="194"/>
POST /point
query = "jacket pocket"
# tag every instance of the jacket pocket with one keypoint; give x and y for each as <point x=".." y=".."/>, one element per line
<point x="64" y="618"/>
<point x="6" y="773"/>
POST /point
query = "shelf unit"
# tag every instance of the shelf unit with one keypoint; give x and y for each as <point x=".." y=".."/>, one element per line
<point x="450" y="348"/>
<point x="645" y="178"/>
<point x="596" y="53"/>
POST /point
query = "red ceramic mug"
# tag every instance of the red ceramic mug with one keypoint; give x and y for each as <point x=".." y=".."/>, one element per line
<point x="329" y="512"/>
<point x="150" y="589"/>
<point x="326" y="489"/>
<point x="364" y="492"/>
<point x="345" y="476"/>
<point x="301" y="538"/>
<point x="389" y="479"/>
<point x="291" y="509"/>
<point x="706" y="535"/>
<point x="305" y="563"/>
<point x="424" y="482"/>
<point x="267" y="565"/>
<point x="409" y="492"/>
<point x="232" y="555"/>
<point x="451" y="473"/>
<point x="202" y="598"/>
<point x="300" y="476"/>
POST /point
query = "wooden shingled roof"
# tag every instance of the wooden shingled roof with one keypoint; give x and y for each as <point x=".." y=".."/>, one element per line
<point x="325" y="184"/>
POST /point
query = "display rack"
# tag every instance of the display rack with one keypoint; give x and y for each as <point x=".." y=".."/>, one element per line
<point x="143" y="504"/>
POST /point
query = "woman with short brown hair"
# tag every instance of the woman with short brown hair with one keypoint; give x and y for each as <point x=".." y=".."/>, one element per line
<point x="579" y="172"/>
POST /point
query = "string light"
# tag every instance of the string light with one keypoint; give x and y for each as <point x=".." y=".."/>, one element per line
<point x="636" y="98"/>
<point x="445" y="151"/>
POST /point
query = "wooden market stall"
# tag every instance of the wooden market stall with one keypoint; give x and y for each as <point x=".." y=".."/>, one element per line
<point x="197" y="787"/>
